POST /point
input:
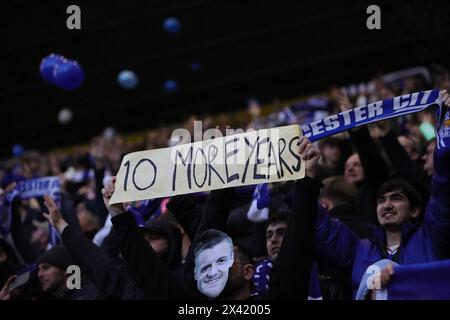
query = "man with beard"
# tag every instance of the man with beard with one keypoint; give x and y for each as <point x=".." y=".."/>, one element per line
<point x="398" y="239"/>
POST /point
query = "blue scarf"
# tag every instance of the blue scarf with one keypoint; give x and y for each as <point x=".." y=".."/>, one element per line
<point x="377" y="111"/>
<point x="424" y="281"/>
<point x="147" y="211"/>
<point x="263" y="272"/>
<point x="26" y="189"/>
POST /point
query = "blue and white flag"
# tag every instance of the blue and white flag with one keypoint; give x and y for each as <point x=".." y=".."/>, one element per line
<point x="39" y="187"/>
<point x="443" y="130"/>
<point x="30" y="189"/>
<point x="261" y="277"/>
<point x="373" y="112"/>
<point x="259" y="208"/>
<point x="422" y="281"/>
<point x="286" y="116"/>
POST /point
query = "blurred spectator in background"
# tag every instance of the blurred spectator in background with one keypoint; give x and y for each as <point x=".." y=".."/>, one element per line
<point x="52" y="274"/>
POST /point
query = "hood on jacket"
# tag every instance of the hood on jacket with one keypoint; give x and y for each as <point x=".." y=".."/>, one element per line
<point x="172" y="234"/>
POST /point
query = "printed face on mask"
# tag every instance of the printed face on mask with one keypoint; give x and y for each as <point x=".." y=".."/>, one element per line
<point x="212" y="265"/>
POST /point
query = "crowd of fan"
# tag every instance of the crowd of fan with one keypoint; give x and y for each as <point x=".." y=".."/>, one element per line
<point x="374" y="193"/>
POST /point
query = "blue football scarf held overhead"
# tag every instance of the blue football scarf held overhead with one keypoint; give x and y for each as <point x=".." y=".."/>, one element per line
<point x="382" y="110"/>
<point x="38" y="188"/>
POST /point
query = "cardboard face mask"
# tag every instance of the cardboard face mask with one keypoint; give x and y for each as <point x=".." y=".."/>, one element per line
<point x="212" y="263"/>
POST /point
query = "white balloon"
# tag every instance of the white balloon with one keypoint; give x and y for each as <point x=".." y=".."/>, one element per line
<point x="109" y="133"/>
<point x="65" y="116"/>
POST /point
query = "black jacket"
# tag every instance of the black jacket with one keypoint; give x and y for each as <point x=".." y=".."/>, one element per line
<point x="87" y="292"/>
<point x="187" y="212"/>
<point x="406" y="168"/>
<point x="110" y="278"/>
<point x="9" y="266"/>
<point x="375" y="170"/>
<point x="152" y="275"/>
<point x="170" y="232"/>
<point x="292" y="268"/>
<point x="348" y="215"/>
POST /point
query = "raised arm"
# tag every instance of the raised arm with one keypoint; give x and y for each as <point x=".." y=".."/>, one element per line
<point x="293" y="265"/>
<point x="152" y="275"/>
<point x="187" y="212"/>
<point x="437" y="214"/>
<point x="376" y="171"/>
<point x="405" y="167"/>
<point x="109" y="278"/>
<point x="216" y="210"/>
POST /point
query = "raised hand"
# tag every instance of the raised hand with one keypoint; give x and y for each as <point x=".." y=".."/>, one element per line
<point x="5" y="293"/>
<point x="54" y="215"/>
<point x="107" y="193"/>
<point x="310" y="154"/>
<point x="344" y="102"/>
<point x="445" y="98"/>
<point x="10" y="187"/>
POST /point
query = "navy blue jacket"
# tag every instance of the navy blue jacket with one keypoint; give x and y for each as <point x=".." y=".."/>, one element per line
<point x="427" y="242"/>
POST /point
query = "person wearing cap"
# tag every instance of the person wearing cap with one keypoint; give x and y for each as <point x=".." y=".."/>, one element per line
<point x="52" y="274"/>
<point x="109" y="277"/>
<point x="398" y="238"/>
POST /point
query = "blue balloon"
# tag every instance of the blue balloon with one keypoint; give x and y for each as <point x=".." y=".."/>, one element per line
<point x="127" y="79"/>
<point x="47" y="66"/>
<point x="195" y="66"/>
<point x="17" y="150"/>
<point x="172" y="25"/>
<point x="68" y="74"/>
<point x="170" y="85"/>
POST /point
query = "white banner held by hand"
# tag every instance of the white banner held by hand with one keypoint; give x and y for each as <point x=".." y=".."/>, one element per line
<point x="255" y="157"/>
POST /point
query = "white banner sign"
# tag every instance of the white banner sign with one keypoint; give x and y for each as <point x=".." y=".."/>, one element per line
<point x="255" y="157"/>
